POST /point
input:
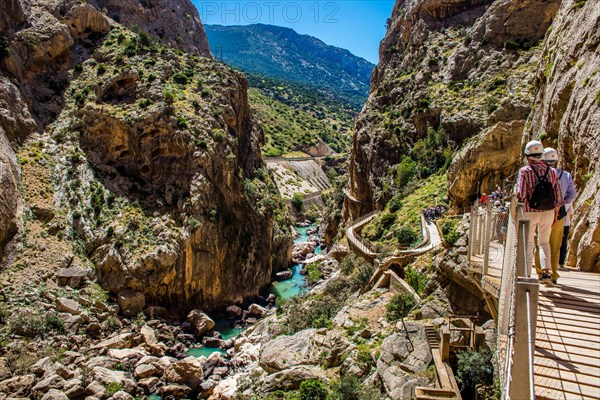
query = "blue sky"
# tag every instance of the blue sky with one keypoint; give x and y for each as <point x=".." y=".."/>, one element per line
<point x="356" y="25"/>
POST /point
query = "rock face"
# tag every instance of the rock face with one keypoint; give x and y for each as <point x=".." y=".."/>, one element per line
<point x="568" y="112"/>
<point x="162" y="20"/>
<point x="15" y="123"/>
<point x="185" y="173"/>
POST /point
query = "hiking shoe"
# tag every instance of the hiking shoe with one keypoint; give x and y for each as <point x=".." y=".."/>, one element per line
<point x="545" y="278"/>
<point x="554" y="281"/>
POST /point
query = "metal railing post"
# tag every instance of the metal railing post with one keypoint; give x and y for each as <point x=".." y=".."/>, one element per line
<point x="472" y="222"/>
<point x="487" y="239"/>
<point x="526" y="301"/>
<point x="523" y="269"/>
<point x="474" y="226"/>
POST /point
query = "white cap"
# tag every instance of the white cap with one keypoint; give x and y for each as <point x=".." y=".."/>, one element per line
<point x="534" y="148"/>
<point x="550" y="155"/>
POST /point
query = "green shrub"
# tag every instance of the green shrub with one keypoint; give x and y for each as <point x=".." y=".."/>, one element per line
<point x="511" y="45"/>
<point x="169" y="96"/>
<point x="30" y="325"/>
<point x="182" y="122"/>
<point x="4" y="47"/>
<point x="81" y="96"/>
<point x="314" y="273"/>
<point x="78" y="68"/>
<point x="491" y="104"/>
<point x="416" y="280"/>
<point x="498" y="82"/>
<point x="144" y="103"/>
<point x="145" y="39"/>
<point x="180" y="78"/>
<point x="404" y="172"/>
<point x="395" y="203"/>
<point x="298" y="201"/>
<point x="474" y="368"/>
<point x="351" y="388"/>
<point x="273" y="152"/>
<point x="54" y="323"/>
<point x="598" y="98"/>
<point x="448" y="228"/>
<point x="100" y="69"/>
<point x="130" y="47"/>
<point x="400" y="306"/>
<point x="363" y="357"/>
<point x="313" y="390"/>
<point x="194" y="224"/>
<point x="407" y="235"/>
<point x="113" y="387"/>
<point x="388" y="219"/>
<point x="219" y="135"/>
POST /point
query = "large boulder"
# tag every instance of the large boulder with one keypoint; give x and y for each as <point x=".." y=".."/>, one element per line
<point x="131" y="302"/>
<point x="286" y="351"/>
<point x="290" y="379"/>
<point x="17" y="386"/>
<point x="84" y="20"/>
<point x="403" y="356"/>
<point x="74" y="277"/>
<point x="120" y="341"/>
<point x="201" y="322"/>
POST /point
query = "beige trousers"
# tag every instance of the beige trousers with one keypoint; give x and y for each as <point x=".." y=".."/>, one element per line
<point x="540" y="222"/>
<point x="556" y="235"/>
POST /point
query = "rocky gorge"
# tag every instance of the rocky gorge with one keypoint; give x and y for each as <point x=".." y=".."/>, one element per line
<point x="135" y="203"/>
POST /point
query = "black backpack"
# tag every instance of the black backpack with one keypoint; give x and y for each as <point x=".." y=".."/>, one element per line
<point x="542" y="198"/>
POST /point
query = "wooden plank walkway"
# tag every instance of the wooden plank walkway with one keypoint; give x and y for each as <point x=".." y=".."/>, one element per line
<point x="567" y="351"/>
<point x="567" y="343"/>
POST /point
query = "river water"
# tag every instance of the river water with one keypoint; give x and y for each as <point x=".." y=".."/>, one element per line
<point x="283" y="290"/>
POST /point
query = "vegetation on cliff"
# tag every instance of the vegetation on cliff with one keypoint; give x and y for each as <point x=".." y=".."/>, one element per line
<point x="287" y="128"/>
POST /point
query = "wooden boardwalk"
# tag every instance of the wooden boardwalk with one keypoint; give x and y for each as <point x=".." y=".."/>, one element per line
<point x="567" y="351"/>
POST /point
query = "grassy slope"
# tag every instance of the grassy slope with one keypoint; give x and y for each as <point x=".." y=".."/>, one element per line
<point x="287" y="127"/>
<point x="431" y="191"/>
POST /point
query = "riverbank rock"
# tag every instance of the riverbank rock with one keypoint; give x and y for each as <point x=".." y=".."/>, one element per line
<point x="201" y="322"/>
<point x="283" y="276"/>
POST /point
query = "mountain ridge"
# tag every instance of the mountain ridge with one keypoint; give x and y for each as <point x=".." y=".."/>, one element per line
<point x="282" y="53"/>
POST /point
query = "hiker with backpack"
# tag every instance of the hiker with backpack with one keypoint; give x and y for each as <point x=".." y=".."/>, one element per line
<point x="569" y="194"/>
<point x="539" y="188"/>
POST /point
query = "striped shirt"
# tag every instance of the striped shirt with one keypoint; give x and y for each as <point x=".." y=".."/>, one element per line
<point x="527" y="181"/>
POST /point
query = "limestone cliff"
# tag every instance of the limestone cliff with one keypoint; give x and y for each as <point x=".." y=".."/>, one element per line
<point x="482" y="78"/>
<point x="152" y="153"/>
